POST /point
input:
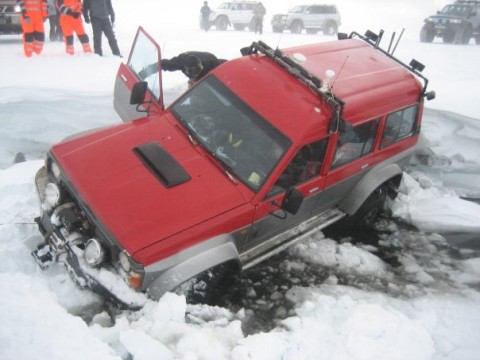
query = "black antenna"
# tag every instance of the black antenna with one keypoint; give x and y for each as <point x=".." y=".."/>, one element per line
<point x="391" y="42"/>
<point x="398" y="41"/>
<point x="283" y="27"/>
<point x="339" y="72"/>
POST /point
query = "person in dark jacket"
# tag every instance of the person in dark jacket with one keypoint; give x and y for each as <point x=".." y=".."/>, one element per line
<point x="204" y="15"/>
<point x="100" y="13"/>
<point x="194" y="64"/>
<point x="54" y="21"/>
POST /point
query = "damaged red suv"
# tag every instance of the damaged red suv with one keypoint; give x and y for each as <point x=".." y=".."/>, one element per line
<point x="264" y="150"/>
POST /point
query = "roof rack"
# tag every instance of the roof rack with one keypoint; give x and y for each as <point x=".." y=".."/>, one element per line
<point x="415" y="67"/>
<point x="468" y="2"/>
<point x="297" y="70"/>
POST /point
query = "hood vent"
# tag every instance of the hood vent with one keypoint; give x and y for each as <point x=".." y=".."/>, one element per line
<point x="161" y="164"/>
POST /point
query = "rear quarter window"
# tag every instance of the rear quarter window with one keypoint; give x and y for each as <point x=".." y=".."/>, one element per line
<point x="354" y="142"/>
<point x="399" y="125"/>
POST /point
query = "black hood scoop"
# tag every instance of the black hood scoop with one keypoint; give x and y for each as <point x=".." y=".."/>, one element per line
<point x="161" y="164"/>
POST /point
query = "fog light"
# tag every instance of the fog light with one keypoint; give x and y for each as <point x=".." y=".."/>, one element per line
<point x="94" y="253"/>
<point x="52" y="194"/>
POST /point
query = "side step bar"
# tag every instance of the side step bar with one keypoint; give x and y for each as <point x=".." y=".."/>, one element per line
<point x="282" y="241"/>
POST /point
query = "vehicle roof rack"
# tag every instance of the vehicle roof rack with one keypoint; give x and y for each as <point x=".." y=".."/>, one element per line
<point x="469" y="2"/>
<point x="297" y="70"/>
<point x="415" y="67"/>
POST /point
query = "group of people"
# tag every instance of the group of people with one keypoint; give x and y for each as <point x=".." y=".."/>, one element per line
<point x="65" y="19"/>
<point x="258" y="14"/>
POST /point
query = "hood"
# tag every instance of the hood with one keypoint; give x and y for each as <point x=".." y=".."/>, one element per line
<point x="145" y="181"/>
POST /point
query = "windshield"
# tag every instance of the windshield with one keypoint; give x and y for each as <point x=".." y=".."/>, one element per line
<point x="298" y="9"/>
<point x="245" y="143"/>
<point x="458" y="10"/>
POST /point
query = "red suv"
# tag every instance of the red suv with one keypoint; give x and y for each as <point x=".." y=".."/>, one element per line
<point x="266" y="149"/>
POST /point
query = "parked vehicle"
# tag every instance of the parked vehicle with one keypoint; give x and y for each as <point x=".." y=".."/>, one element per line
<point x="10" y="17"/>
<point x="238" y="14"/>
<point x="455" y="23"/>
<point x="179" y="198"/>
<point x="313" y="18"/>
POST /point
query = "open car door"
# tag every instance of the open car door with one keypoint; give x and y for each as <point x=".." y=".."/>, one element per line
<point x="143" y="65"/>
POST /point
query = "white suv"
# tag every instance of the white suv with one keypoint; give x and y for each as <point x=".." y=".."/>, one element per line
<point x="312" y="18"/>
<point x="238" y="14"/>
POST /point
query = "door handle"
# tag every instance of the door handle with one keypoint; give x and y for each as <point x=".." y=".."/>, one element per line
<point x="364" y="166"/>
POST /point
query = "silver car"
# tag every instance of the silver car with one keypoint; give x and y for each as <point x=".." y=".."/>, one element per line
<point x="313" y="18"/>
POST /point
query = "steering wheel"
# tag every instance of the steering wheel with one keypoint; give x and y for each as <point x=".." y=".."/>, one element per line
<point x="203" y="124"/>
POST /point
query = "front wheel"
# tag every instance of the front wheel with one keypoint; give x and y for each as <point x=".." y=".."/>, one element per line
<point x="427" y="34"/>
<point x="221" y="23"/>
<point x="206" y="287"/>
<point x="463" y="35"/>
<point x="296" y="27"/>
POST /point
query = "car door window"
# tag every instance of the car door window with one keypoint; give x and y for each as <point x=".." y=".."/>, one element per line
<point x="146" y="55"/>
<point x="354" y="142"/>
<point x="305" y="165"/>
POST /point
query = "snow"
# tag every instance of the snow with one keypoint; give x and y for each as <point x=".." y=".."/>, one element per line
<point x="363" y="306"/>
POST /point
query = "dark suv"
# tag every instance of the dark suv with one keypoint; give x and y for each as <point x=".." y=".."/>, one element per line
<point x="455" y="23"/>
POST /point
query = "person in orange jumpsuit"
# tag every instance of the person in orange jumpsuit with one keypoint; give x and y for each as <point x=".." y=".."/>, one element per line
<point x="34" y="13"/>
<point x="71" y="21"/>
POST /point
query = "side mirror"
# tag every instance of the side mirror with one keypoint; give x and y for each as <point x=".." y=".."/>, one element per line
<point x="139" y="91"/>
<point x="292" y="200"/>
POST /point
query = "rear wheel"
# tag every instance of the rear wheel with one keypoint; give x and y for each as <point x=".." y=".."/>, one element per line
<point x="330" y="29"/>
<point x="427" y="34"/>
<point x="373" y="206"/>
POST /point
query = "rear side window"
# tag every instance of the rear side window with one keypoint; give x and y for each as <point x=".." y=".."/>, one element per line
<point x="399" y="125"/>
<point x="354" y="142"/>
